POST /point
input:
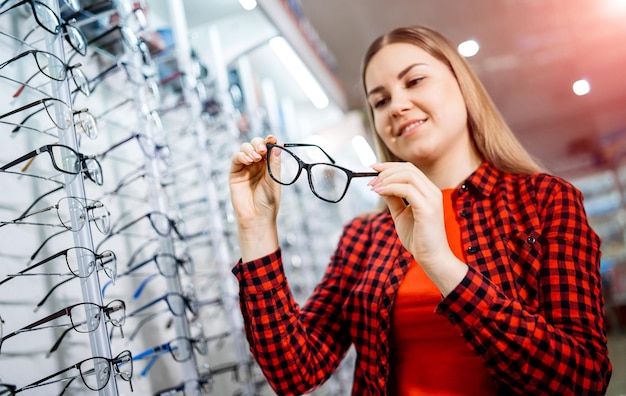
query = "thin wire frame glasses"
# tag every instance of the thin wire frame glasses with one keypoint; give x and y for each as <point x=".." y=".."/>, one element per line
<point x="84" y="318"/>
<point x="106" y="261"/>
<point x="328" y="181"/>
<point x="95" y="372"/>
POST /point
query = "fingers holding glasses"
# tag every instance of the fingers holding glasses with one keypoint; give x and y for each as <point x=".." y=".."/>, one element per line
<point x="253" y="151"/>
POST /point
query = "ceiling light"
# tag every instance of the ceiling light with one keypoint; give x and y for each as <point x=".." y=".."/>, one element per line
<point x="468" y="48"/>
<point x="248" y="5"/>
<point x="299" y="71"/>
<point x="581" y="87"/>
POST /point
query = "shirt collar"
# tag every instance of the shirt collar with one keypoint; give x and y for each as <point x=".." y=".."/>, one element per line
<point x="484" y="179"/>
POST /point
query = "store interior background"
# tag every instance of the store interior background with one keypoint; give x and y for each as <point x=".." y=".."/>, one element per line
<point x="212" y="80"/>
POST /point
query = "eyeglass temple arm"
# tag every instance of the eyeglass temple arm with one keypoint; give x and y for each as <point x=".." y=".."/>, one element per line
<point x="40" y="381"/>
<point x="8" y="278"/>
<point x="53" y="288"/>
<point x="23" y="54"/>
<point x="58" y="314"/>
<point x="25" y="212"/>
<point x="25" y="157"/>
<point x="25" y="107"/>
<point x="32" y="257"/>
<point x="310" y="145"/>
<point x="58" y="342"/>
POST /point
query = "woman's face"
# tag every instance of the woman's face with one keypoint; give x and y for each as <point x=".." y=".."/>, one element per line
<point x="419" y="111"/>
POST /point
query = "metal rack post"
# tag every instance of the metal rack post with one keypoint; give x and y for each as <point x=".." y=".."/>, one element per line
<point x="74" y="187"/>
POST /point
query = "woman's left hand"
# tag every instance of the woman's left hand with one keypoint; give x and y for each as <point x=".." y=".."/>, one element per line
<point x="416" y="206"/>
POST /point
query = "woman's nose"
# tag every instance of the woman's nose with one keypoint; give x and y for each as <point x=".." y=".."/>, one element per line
<point x="400" y="103"/>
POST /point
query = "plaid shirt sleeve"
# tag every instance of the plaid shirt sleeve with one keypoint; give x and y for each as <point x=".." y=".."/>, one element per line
<point x="559" y="348"/>
<point x="298" y="349"/>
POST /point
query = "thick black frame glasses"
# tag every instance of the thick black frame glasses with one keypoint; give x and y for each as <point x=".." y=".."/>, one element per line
<point x="64" y="122"/>
<point x="52" y="67"/>
<point x="66" y="160"/>
<point x="52" y="23"/>
<point x="91" y="371"/>
<point x="328" y="181"/>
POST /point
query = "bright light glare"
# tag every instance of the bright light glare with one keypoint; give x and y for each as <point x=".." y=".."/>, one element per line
<point x="248" y="5"/>
<point x="363" y="150"/>
<point x="299" y="71"/>
<point x="468" y="48"/>
<point x="581" y="87"/>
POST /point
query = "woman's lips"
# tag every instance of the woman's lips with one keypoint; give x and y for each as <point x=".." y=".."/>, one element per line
<point x="410" y="125"/>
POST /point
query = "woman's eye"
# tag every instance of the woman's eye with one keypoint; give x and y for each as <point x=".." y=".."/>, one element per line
<point x="414" y="81"/>
<point x="379" y="103"/>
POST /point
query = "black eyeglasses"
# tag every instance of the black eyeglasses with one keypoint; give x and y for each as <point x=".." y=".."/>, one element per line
<point x="50" y="21"/>
<point x="73" y="257"/>
<point x="84" y="318"/>
<point x="66" y="160"/>
<point x="62" y="120"/>
<point x="329" y="182"/>
<point x="52" y="67"/>
<point x="95" y="372"/>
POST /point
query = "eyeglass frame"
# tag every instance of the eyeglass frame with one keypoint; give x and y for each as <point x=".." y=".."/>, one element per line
<point x="120" y="358"/>
<point x="67" y="311"/>
<point x="65" y="67"/>
<point x="97" y="258"/>
<point x="307" y="167"/>
<point x="82" y="158"/>
<point x="90" y="205"/>
<point x="61" y="24"/>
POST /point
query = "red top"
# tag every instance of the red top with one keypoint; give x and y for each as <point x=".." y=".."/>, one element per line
<point x="428" y="355"/>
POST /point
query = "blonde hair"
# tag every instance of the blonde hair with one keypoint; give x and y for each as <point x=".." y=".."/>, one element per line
<point x="489" y="132"/>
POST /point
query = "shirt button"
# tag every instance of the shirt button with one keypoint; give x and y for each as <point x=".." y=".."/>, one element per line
<point x="454" y="318"/>
<point x="464" y="187"/>
<point x="464" y="214"/>
<point x="531" y="240"/>
<point x="472" y="249"/>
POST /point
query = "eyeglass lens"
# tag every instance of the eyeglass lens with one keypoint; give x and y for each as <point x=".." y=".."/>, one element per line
<point x="45" y="17"/>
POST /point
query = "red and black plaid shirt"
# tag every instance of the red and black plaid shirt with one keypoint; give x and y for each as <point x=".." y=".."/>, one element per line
<point x="531" y="305"/>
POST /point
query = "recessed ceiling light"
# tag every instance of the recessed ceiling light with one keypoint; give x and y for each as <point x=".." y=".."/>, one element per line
<point x="248" y="5"/>
<point x="468" y="48"/>
<point x="581" y="87"/>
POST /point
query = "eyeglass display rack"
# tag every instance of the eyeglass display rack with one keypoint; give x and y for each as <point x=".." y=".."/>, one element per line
<point x="144" y="93"/>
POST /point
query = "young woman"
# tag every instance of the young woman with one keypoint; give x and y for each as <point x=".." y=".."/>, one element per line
<point x="479" y="277"/>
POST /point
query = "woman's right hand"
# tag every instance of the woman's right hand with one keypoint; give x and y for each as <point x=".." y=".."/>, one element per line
<point x="254" y="195"/>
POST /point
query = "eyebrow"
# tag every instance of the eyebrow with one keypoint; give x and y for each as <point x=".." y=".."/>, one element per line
<point x="400" y="75"/>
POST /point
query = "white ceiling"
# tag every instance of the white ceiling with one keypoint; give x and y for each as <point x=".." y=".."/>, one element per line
<point x="531" y="52"/>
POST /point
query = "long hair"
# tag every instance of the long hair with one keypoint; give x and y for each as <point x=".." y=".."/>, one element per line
<point x="489" y="132"/>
